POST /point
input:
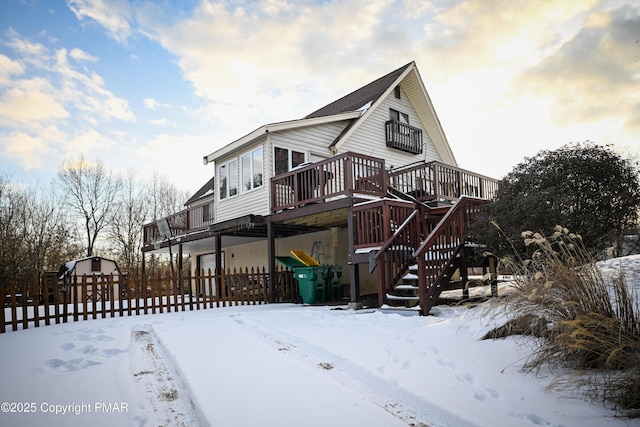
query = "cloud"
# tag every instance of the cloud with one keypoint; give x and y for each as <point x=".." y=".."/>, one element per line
<point x="80" y="55"/>
<point x="8" y="68"/>
<point x="593" y="76"/>
<point x="114" y="15"/>
<point x="49" y="106"/>
<point x="57" y="88"/>
<point x="28" y="101"/>
<point x="152" y="104"/>
<point x="33" y="150"/>
<point x="257" y="54"/>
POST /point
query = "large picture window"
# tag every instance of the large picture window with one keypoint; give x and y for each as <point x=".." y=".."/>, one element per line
<point x="228" y="179"/>
<point x="286" y="159"/>
<point x="251" y="173"/>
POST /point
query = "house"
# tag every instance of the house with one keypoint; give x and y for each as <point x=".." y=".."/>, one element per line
<point x="73" y="272"/>
<point x="343" y="183"/>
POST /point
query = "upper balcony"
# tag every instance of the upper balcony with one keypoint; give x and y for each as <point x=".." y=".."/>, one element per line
<point x="403" y="137"/>
<point x="339" y="176"/>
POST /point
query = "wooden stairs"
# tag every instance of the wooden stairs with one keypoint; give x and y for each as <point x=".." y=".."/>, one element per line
<point x="418" y="261"/>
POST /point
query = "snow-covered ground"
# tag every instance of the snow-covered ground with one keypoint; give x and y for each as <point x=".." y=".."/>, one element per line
<point x="285" y="365"/>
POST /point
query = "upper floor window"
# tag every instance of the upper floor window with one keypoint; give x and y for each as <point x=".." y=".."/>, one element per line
<point x="286" y="159"/>
<point x="396" y="91"/>
<point x="398" y="116"/>
<point x="228" y="179"/>
<point x="251" y="169"/>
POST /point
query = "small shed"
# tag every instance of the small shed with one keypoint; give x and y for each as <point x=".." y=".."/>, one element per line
<point x="71" y="273"/>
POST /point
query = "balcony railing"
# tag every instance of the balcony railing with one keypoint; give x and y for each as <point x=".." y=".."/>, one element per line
<point x="440" y="182"/>
<point x="403" y="137"/>
<point x="346" y="175"/>
<point x="343" y="175"/>
<point x="192" y="219"/>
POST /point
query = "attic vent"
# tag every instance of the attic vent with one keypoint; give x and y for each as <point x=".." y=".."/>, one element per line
<point x="396" y="91"/>
<point x="95" y="264"/>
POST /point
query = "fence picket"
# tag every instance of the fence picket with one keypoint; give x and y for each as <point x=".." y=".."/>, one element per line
<point x="111" y="296"/>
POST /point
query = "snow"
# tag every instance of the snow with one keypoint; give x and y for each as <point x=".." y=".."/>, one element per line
<point x="285" y="364"/>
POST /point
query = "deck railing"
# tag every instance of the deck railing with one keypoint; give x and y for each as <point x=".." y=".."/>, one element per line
<point x="376" y="220"/>
<point x="187" y="220"/>
<point x="342" y="176"/>
<point x="339" y="176"/>
<point x="440" y="182"/>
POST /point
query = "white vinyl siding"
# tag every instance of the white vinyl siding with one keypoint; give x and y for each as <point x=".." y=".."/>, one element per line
<point x="369" y="137"/>
<point x="310" y="138"/>
<point x="255" y="201"/>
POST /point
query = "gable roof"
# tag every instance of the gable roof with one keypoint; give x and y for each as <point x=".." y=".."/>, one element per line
<point x="368" y="97"/>
<point x="204" y="191"/>
<point x="356" y="107"/>
<point x="359" y="98"/>
<point x="275" y="127"/>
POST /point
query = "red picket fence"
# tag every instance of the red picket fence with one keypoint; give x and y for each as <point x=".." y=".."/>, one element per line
<point x="45" y="301"/>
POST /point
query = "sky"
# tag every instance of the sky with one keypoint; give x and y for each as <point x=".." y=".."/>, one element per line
<point x="153" y="86"/>
<point x="286" y="364"/>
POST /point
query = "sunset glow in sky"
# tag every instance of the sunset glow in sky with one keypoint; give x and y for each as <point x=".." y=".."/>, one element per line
<point x="152" y="86"/>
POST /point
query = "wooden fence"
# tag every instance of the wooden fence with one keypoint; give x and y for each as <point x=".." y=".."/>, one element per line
<point x="43" y="301"/>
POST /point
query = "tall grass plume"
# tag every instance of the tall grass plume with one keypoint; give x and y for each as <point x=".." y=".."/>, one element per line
<point x="584" y="322"/>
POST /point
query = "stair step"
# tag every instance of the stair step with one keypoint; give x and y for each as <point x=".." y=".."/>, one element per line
<point x="406" y="287"/>
<point x="391" y="297"/>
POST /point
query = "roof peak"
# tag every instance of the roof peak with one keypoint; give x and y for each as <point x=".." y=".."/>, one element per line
<point x="368" y="93"/>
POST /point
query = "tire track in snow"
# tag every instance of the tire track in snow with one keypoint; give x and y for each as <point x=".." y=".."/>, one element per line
<point x="404" y="405"/>
<point x="166" y="399"/>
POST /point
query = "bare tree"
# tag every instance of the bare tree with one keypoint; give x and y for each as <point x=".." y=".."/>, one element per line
<point x="35" y="234"/>
<point x="125" y="229"/>
<point x="90" y="191"/>
<point x="164" y="199"/>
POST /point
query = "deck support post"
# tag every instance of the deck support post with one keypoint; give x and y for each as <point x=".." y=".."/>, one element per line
<point x="219" y="266"/>
<point x="271" y="257"/>
<point x="354" y="274"/>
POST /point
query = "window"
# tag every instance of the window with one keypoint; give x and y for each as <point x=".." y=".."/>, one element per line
<point x="228" y="179"/>
<point x="286" y="159"/>
<point x="398" y="116"/>
<point x="396" y="91"/>
<point x="251" y="165"/>
<point x="95" y="264"/>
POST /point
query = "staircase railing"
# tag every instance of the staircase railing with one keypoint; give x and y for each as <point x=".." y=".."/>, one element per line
<point x="396" y="255"/>
<point x="437" y="253"/>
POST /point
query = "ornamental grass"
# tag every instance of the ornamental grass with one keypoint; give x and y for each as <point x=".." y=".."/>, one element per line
<point x="585" y="323"/>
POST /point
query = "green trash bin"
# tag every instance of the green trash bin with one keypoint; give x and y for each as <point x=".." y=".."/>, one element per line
<point x="307" y="283"/>
<point x="307" y="277"/>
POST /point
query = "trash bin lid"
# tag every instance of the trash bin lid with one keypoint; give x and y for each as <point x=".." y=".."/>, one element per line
<point x="304" y="258"/>
<point x="290" y="262"/>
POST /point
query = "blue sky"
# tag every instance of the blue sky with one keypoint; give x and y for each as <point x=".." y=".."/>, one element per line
<point x="153" y="86"/>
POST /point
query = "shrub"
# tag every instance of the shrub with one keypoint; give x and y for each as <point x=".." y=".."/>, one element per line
<point x="591" y="324"/>
<point x="585" y="187"/>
